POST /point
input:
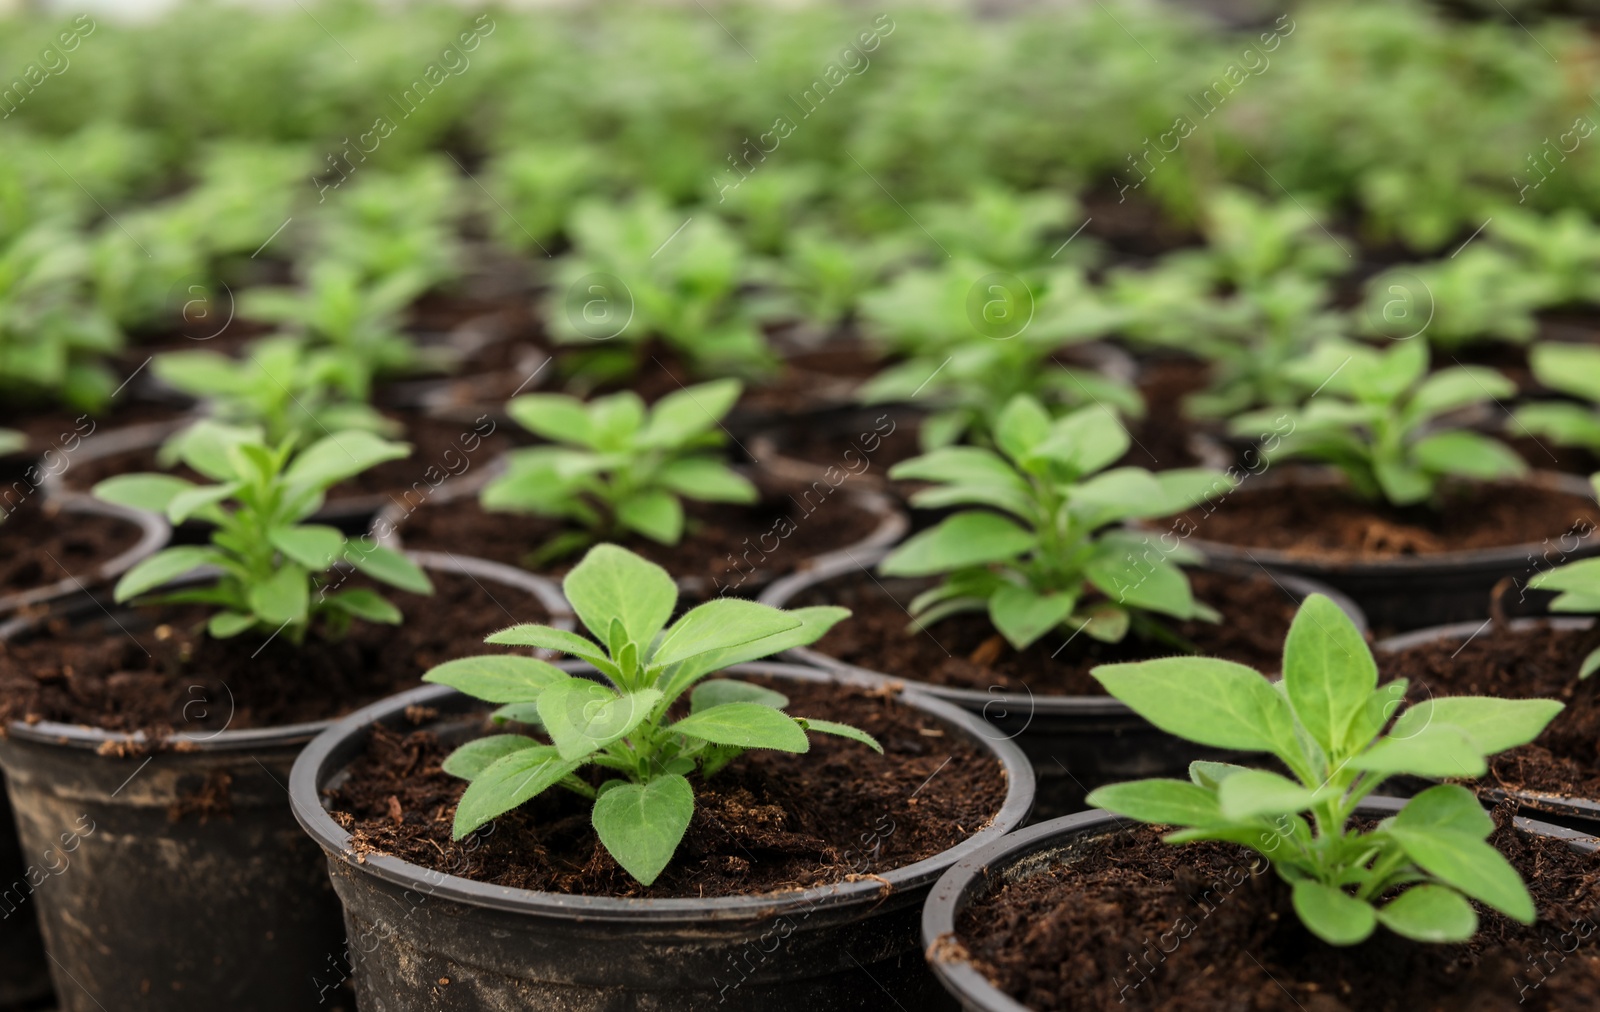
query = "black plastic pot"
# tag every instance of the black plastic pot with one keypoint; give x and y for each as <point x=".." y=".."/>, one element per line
<point x="388" y="529"/>
<point x="154" y="532"/>
<point x="1562" y="809"/>
<point x="1076" y="743"/>
<point x="190" y="886"/>
<point x="425" y="941"/>
<point x="1416" y="591"/>
<point x="1040" y="848"/>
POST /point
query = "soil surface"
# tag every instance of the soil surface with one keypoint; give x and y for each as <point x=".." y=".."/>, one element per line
<point x="768" y="822"/>
<point x="964" y="651"/>
<point x="1547" y="456"/>
<point x="154" y="669"/>
<point x="1325" y="522"/>
<point x="40" y="545"/>
<point x="1518" y="664"/>
<point x="440" y="449"/>
<point x="1091" y="936"/>
<point x="730" y="548"/>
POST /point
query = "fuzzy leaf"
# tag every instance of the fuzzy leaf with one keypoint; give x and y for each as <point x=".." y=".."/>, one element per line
<point x="641" y="825"/>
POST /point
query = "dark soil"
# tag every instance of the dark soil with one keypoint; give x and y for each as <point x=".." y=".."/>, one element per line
<point x="964" y="651"/>
<point x="1545" y="455"/>
<point x="1162" y="438"/>
<point x="1520" y="664"/>
<point x="730" y="548"/>
<point x="769" y="822"/>
<point x="1134" y="228"/>
<point x="1091" y="935"/>
<point x="154" y="669"/>
<point x="61" y="430"/>
<point x="1324" y="522"/>
<point x="40" y="545"/>
<point x="440" y="449"/>
<point x="869" y="441"/>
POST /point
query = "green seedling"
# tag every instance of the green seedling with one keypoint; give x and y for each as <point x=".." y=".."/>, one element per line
<point x="1413" y="872"/>
<point x="1577" y="587"/>
<point x="1572" y="369"/>
<point x="281" y="385"/>
<point x="1379" y="416"/>
<point x="619" y="467"/>
<point x="970" y="339"/>
<point x="1044" y="553"/>
<point x="628" y="725"/>
<point x="265" y="569"/>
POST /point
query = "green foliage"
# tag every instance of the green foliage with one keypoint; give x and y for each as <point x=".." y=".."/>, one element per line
<point x="1572" y="369"/>
<point x="1380" y="417"/>
<point x="627" y="725"/>
<point x="1415" y="871"/>
<point x="265" y="570"/>
<point x="969" y="339"/>
<point x="52" y="338"/>
<point x="1560" y="254"/>
<point x="1042" y="553"/>
<point x="287" y="388"/>
<point x="533" y="185"/>
<point x="822" y="275"/>
<point x="354" y="324"/>
<point x="619" y="467"/>
<point x="1012" y="231"/>
<point x="395" y="229"/>
<point x="679" y="274"/>
<point x="1479" y="294"/>
<point x="1577" y="586"/>
<point x="1250" y="242"/>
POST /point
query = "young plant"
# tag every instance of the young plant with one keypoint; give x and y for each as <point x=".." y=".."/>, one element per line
<point x="1572" y="369"/>
<point x="822" y="275"/>
<point x="535" y="184"/>
<point x="355" y="323"/>
<point x="1562" y="251"/>
<point x="679" y="275"/>
<point x="1578" y="591"/>
<point x="619" y="467"/>
<point x="1250" y="241"/>
<point x="1041" y="556"/>
<point x="1013" y="231"/>
<point x="53" y="341"/>
<point x="282" y="385"/>
<point x="969" y="340"/>
<point x="270" y="566"/>
<point x="628" y="725"/>
<point x="391" y="225"/>
<point x="1414" y="871"/>
<point x="1481" y="294"/>
<point x="1378" y="416"/>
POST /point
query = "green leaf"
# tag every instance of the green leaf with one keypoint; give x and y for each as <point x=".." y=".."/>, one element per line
<point x="719" y="625"/>
<point x="506" y="783"/>
<point x="342" y="455"/>
<point x="1022" y="425"/>
<point x="479" y="754"/>
<point x="497" y="678"/>
<point x="1468" y="455"/>
<point x="167" y="564"/>
<point x="148" y="492"/>
<point x="1430" y="913"/>
<point x="1084" y="441"/>
<point x="1328" y="672"/>
<point x="283" y="597"/>
<point x="684" y="414"/>
<point x="204" y="447"/>
<point x="1022" y="616"/>
<point x="314" y="546"/>
<point x="842" y="730"/>
<point x="1107" y="622"/>
<point x="228" y="624"/>
<point x="1249" y="793"/>
<point x="1333" y="915"/>
<point x="1493" y="724"/>
<point x="747" y="725"/>
<point x="814" y="622"/>
<point x="389" y="566"/>
<point x="723" y="690"/>
<point x="966" y="539"/>
<point x="612" y="582"/>
<point x="582" y="716"/>
<point x="197" y="501"/>
<point x="1161" y="801"/>
<point x="1210" y="774"/>
<point x="1448" y="807"/>
<point x="1469" y="864"/>
<point x="641" y="825"/>
<point x="1135" y="582"/>
<point x="556" y="417"/>
<point x="1213" y="702"/>
<point x="560" y="640"/>
<point x="1438" y="750"/>
<point x="366" y="604"/>
<point x="655" y="513"/>
<point x="707" y="480"/>
<point x="1449" y="389"/>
